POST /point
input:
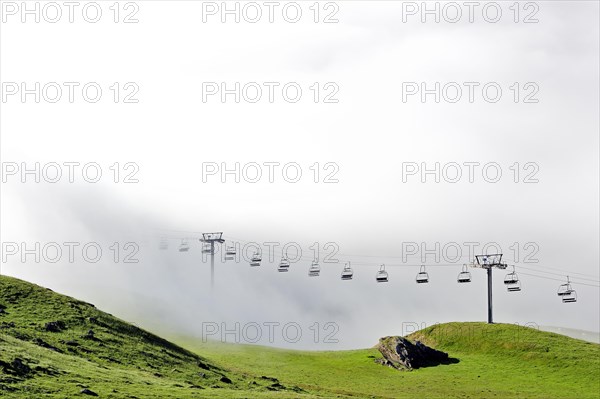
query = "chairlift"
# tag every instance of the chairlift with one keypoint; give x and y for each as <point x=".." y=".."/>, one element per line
<point x="515" y="287"/>
<point x="256" y="259"/>
<point x="511" y="280"/>
<point x="207" y="248"/>
<point x="164" y="244"/>
<point x="570" y="297"/>
<point x="347" y="273"/>
<point x="230" y="249"/>
<point x="382" y="275"/>
<point x="566" y="292"/>
<point x="284" y="264"/>
<point x="422" y="276"/>
<point x="230" y="252"/>
<point x="184" y="246"/>
<point x="564" y="289"/>
<point x="464" y="276"/>
<point x="314" y="269"/>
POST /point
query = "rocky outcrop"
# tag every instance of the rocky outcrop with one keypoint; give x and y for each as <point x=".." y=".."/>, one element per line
<point x="16" y="367"/>
<point x="401" y="354"/>
<point x="55" y="326"/>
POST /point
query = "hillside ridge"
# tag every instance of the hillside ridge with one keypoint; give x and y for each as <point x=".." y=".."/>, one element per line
<point x="46" y="336"/>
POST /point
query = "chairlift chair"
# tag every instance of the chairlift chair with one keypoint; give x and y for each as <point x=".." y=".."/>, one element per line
<point x="206" y="248"/>
<point x="571" y="296"/>
<point x="511" y="280"/>
<point x="382" y="275"/>
<point x="164" y="244"/>
<point x="347" y="273"/>
<point x="564" y="289"/>
<point x="284" y="265"/>
<point x="422" y="276"/>
<point x="256" y="259"/>
<point x="566" y="292"/>
<point x="314" y="269"/>
<point x="184" y="246"/>
<point x="515" y="287"/>
<point x="230" y="252"/>
<point x="464" y="276"/>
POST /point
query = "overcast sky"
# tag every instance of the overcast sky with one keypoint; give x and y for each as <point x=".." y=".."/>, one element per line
<point x="366" y="61"/>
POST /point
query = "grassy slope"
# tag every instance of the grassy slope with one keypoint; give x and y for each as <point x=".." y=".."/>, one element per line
<point x="121" y="361"/>
<point x="496" y="361"/>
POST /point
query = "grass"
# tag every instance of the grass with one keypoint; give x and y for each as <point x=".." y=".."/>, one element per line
<point x="495" y="361"/>
<point x="118" y="360"/>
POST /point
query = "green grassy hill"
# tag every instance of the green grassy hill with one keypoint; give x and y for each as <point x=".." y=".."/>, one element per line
<point x="495" y="361"/>
<point x="118" y="360"/>
<point x="54" y="346"/>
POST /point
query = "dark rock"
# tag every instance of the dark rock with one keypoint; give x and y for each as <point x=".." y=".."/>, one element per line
<point x="203" y="366"/>
<point x="86" y="391"/>
<point x="400" y="353"/>
<point x="47" y="370"/>
<point x="90" y="336"/>
<point x="44" y="344"/>
<point x="225" y="380"/>
<point x="16" y="367"/>
<point x="20" y="367"/>
<point x="8" y="388"/>
<point x="55" y="326"/>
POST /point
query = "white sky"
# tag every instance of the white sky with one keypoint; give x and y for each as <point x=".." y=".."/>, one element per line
<point x="369" y="133"/>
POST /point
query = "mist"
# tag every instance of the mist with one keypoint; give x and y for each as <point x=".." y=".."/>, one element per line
<point x="371" y="215"/>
